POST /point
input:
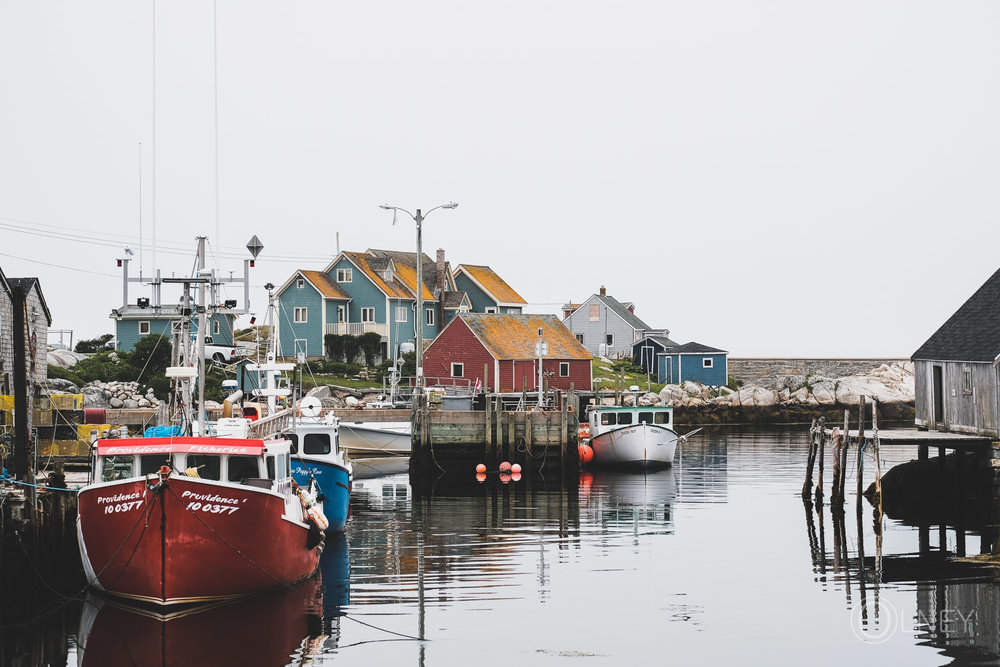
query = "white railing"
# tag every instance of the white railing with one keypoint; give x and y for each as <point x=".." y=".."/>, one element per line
<point x="357" y="328"/>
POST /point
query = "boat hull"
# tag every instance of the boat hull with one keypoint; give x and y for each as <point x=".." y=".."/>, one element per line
<point x="376" y="438"/>
<point x="190" y="541"/>
<point x="334" y="481"/>
<point x="636" y="446"/>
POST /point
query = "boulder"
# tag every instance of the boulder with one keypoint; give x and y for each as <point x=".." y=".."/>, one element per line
<point x="116" y="402"/>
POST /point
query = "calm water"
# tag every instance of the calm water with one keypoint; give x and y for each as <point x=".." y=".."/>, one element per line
<point x="716" y="560"/>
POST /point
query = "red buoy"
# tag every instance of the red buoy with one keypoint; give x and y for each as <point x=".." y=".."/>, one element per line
<point x="481" y="468"/>
<point x="586" y="454"/>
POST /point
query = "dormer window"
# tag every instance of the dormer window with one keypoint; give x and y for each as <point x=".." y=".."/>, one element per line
<point x="300" y="283"/>
<point x="387" y="275"/>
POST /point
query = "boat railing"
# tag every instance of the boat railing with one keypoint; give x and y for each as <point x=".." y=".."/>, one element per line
<point x="271" y="425"/>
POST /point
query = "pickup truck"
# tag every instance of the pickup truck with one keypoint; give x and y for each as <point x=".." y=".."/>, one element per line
<point x="223" y="353"/>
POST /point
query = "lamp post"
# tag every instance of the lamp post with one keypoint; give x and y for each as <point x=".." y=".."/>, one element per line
<point x="419" y="324"/>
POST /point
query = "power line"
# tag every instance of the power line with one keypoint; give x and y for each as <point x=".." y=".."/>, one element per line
<point x="58" y="266"/>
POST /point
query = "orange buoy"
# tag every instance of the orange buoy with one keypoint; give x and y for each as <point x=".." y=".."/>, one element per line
<point x="481" y="468"/>
<point x="586" y="454"/>
<point x="515" y="469"/>
<point x="505" y="466"/>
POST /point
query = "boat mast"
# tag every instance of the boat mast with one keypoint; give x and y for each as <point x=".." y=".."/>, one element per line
<point x="202" y="332"/>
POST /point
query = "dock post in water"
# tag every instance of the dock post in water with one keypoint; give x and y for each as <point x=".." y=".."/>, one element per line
<point x="861" y="449"/>
<point x="821" y="448"/>
<point x="813" y="441"/>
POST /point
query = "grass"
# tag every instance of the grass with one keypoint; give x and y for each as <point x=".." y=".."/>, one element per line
<point x="604" y="371"/>
<point x="311" y="381"/>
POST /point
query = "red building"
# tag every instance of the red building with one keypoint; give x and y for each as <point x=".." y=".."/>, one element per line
<point x="505" y="346"/>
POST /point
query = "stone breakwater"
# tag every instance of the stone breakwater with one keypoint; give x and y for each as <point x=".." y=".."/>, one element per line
<point x="123" y="395"/>
<point x="792" y="398"/>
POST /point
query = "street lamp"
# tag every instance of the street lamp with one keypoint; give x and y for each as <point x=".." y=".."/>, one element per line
<point x="419" y="330"/>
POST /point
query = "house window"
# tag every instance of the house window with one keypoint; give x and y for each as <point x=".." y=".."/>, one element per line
<point x="429" y="318"/>
<point x="344" y="275"/>
<point x="966" y="380"/>
<point x="401" y="313"/>
<point x="595" y="312"/>
<point x="301" y="315"/>
<point x="609" y="340"/>
<point x="457" y="370"/>
<point x="300" y="283"/>
<point x="144" y="327"/>
<point x="216" y="328"/>
<point x="340" y="313"/>
<point x="579" y="338"/>
<point x="564" y="369"/>
<point x="707" y="362"/>
<point x="490" y="309"/>
<point x="368" y="314"/>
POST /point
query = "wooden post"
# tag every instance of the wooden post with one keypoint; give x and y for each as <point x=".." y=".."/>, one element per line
<point x="822" y="449"/>
<point x="563" y="427"/>
<point x="511" y="431"/>
<point x="813" y="439"/>
<point x="861" y="449"/>
<point x="878" y="469"/>
<point x="528" y="439"/>
<point x="489" y="425"/>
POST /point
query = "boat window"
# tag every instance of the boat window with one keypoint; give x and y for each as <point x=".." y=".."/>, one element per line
<point x="646" y="417"/>
<point x="624" y="417"/>
<point x="151" y="463"/>
<point x="662" y="417"/>
<point x="607" y="418"/>
<point x="282" y="466"/>
<point x="294" y="440"/>
<point x="270" y="467"/>
<point x="316" y="443"/>
<point x="242" y="467"/>
<point x="204" y="465"/>
<point x="116" y="467"/>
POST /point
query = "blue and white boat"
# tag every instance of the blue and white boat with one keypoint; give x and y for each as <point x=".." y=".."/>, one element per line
<point x="317" y="458"/>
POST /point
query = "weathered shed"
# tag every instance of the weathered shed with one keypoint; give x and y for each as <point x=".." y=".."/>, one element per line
<point x="505" y="345"/>
<point x="646" y="351"/>
<point x="956" y="370"/>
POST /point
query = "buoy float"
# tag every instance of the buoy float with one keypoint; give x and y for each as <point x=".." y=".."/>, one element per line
<point x="505" y="478"/>
<point x="481" y="476"/>
<point x="481" y="468"/>
<point x="316" y="514"/>
<point x="515" y="469"/>
<point x="586" y="454"/>
<point x="505" y="466"/>
<point x="515" y="477"/>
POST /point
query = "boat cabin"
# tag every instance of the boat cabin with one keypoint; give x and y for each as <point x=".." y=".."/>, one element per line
<point x="315" y="438"/>
<point x="250" y="462"/>
<point x="603" y="419"/>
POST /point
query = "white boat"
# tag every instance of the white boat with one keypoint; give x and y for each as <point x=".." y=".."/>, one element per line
<point x="375" y="438"/>
<point x="640" y="437"/>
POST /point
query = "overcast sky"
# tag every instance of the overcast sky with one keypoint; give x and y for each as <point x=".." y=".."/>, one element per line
<point x="769" y="178"/>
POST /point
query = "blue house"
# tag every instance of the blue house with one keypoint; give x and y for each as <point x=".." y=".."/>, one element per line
<point x="487" y="291"/>
<point x="133" y="322"/>
<point x="362" y="292"/>
<point x="647" y="350"/>
<point x="693" y="362"/>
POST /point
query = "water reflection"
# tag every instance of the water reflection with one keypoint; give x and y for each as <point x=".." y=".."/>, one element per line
<point x="290" y="626"/>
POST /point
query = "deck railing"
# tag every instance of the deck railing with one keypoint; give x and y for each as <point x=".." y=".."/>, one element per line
<point x="357" y="328"/>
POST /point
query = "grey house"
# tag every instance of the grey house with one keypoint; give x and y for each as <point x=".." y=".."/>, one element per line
<point x="956" y="369"/>
<point x="606" y="326"/>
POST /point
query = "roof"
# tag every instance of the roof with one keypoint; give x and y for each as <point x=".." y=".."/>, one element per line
<point x="3" y="282"/>
<point x="694" y="348"/>
<point x="514" y="336"/>
<point x="663" y="341"/>
<point x="487" y="279"/>
<point x="622" y="311"/>
<point x="404" y="281"/>
<point x="454" y="300"/>
<point x="972" y="333"/>
<point x="324" y="284"/>
<point x="26" y="284"/>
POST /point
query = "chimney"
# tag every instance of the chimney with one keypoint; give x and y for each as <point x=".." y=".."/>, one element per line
<point x="440" y="284"/>
<point x="604" y="292"/>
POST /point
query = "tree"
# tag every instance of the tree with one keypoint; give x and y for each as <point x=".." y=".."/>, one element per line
<point x="334" y="344"/>
<point x="148" y="361"/>
<point x="92" y="345"/>
<point x="371" y="345"/>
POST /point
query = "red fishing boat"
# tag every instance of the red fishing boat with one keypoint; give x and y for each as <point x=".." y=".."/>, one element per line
<point x="206" y="512"/>
<point x="192" y="519"/>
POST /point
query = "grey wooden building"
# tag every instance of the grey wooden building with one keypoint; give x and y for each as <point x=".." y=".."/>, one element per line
<point x="606" y="326"/>
<point x="957" y="370"/>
